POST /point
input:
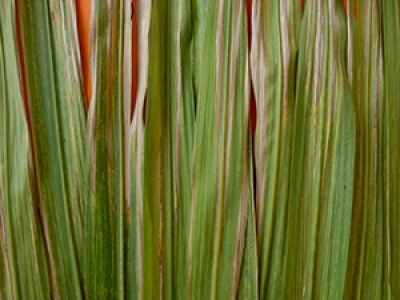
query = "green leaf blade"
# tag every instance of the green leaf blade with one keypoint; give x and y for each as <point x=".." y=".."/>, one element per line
<point x="56" y="110"/>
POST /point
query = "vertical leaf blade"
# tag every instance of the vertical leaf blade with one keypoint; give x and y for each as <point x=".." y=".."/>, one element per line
<point x="391" y="161"/>
<point x="221" y="185"/>
<point x="108" y="119"/>
<point x="273" y="60"/>
<point x="24" y="268"/>
<point x="323" y="157"/>
<point x="56" y="110"/>
<point x="366" y="259"/>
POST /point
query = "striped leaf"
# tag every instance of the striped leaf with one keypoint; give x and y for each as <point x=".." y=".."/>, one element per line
<point x="273" y="65"/>
<point x="56" y="111"/>
<point x="248" y="283"/>
<point x="155" y="156"/>
<point x="221" y="182"/>
<point x="134" y="208"/>
<point x="133" y="222"/>
<point x="321" y="188"/>
<point x="180" y="118"/>
<point x="168" y="144"/>
<point x="390" y="152"/>
<point x="366" y="258"/>
<point x="23" y="273"/>
<point x="174" y="198"/>
<point x="108" y="121"/>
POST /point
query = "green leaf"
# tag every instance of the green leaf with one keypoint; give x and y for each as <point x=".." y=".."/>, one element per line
<point x="56" y="111"/>
<point x="390" y="151"/>
<point x="134" y="231"/>
<point x="321" y="187"/>
<point x="169" y="134"/>
<point x="248" y="283"/>
<point x="273" y="65"/>
<point x="180" y="114"/>
<point x="221" y="183"/>
<point x="366" y="256"/>
<point x="23" y="271"/>
<point x="109" y="126"/>
<point x="155" y="157"/>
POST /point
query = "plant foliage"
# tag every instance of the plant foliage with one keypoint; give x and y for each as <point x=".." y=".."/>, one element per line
<point x="177" y="196"/>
